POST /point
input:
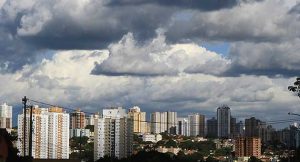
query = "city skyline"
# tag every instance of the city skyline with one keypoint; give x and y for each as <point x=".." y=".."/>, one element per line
<point x="208" y="115"/>
<point x="183" y="56"/>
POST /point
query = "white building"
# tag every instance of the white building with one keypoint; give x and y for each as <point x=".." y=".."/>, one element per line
<point x="80" y="132"/>
<point x="90" y="119"/>
<point x="172" y="122"/>
<point x="183" y="127"/>
<point x="50" y="136"/>
<point x="151" y="137"/>
<point x="164" y="122"/>
<point x="6" y="117"/>
<point x="197" y="124"/>
<point x="113" y="134"/>
<point x="58" y="134"/>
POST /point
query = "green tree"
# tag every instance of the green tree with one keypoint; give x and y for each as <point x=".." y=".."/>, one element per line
<point x="171" y="143"/>
<point x="254" y="159"/>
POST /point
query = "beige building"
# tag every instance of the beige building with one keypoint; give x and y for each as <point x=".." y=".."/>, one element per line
<point x="50" y="133"/>
<point x="248" y="146"/>
<point x="139" y="120"/>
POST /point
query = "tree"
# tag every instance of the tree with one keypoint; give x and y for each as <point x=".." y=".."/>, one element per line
<point x="171" y="143"/>
<point x="254" y="159"/>
<point x="211" y="159"/>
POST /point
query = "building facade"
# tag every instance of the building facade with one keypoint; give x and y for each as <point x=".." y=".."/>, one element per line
<point x="164" y="122"/>
<point x="6" y="117"/>
<point x="212" y="128"/>
<point x="248" y="146"/>
<point x="139" y="120"/>
<point x="77" y="120"/>
<point x="50" y="138"/>
<point x="113" y="134"/>
<point x="223" y="118"/>
<point x="197" y="124"/>
<point x="183" y="127"/>
<point x="172" y="122"/>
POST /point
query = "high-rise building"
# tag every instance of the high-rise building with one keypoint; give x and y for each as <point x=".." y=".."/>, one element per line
<point x="6" y="117"/>
<point x="240" y="147"/>
<point x="232" y="127"/>
<point x="257" y="128"/>
<point x="113" y="134"/>
<point x="172" y="122"/>
<point x="223" y="117"/>
<point x="248" y="146"/>
<point x="197" y="124"/>
<point x="164" y="122"/>
<point x="58" y="133"/>
<point x="50" y="138"/>
<point x="155" y="122"/>
<point x="139" y="120"/>
<point x="239" y="129"/>
<point x="90" y="119"/>
<point x="183" y="127"/>
<point x="77" y="120"/>
<point x="212" y="128"/>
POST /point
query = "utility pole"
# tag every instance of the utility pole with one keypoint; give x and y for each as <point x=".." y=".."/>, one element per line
<point x="24" y="100"/>
<point x="30" y="133"/>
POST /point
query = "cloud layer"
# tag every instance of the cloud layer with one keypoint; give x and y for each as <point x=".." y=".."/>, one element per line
<point x="92" y="54"/>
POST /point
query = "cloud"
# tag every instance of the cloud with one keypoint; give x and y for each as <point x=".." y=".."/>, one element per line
<point x="238" y="24"/>
<point x="156" y="57"/>
<point x="204" y="5"/>
<point x="265" y="58"/>
<point x="64" y="80"/>
<point x="36" y="26"/>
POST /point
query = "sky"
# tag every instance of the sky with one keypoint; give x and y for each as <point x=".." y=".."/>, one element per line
<point x="177" y="55"/>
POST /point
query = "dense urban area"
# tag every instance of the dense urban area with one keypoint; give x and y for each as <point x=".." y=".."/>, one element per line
<point x="119" y="135"/>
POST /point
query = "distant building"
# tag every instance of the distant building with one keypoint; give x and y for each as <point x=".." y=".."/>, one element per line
<point x="252" y="127"/>
<point x="77" y="120"/>
<point x="139" y="120"/>
<point x="80" y="133"/>
<point x="90" y="119"/>
<point x="6" y="117"/>
<point x="50" y="133"/>
<point x="223" y="118"/>
<point x="239" y="129"/>
<point x="248" y="146"/>
<point x="113" y="134"/>
<point x="156" y="123"/>
<point x="164" y="122"/>
<point x="212" y="128"/>
<point x="183" y="127"/>
<point x="232" y="127"/>
<point x="151" y="137"/>
<point x="197" y="124"/>
<point x="172" y="122"/>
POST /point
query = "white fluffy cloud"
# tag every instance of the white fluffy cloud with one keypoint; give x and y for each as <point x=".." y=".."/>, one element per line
<point x="156" y="57"/>
<point x="65" y="80"/>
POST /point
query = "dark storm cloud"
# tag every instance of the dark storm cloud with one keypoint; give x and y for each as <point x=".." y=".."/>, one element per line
<point x="205" y="5"/>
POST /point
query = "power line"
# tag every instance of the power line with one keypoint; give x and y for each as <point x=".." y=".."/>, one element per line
<point x="273" y="122"/>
